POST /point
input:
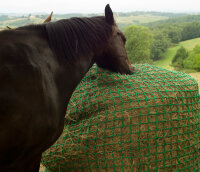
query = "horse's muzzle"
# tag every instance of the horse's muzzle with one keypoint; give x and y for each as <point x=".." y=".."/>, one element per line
<point x="130" y="70"/>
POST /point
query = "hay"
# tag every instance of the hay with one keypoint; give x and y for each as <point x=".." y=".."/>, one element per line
<point x="148" y="121"/>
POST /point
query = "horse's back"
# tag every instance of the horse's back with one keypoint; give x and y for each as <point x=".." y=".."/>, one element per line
<point x="20" y="47"/>
<point x="28" y="94"/>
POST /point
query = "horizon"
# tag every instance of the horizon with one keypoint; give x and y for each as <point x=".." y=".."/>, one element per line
<point x="96" y="6"/>
<point x="84" y="13"/>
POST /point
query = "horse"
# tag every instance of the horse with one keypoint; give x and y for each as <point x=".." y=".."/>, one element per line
<point x="40" y="67"/>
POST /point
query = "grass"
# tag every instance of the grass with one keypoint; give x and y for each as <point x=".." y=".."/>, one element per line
<point x="166" y="61"/>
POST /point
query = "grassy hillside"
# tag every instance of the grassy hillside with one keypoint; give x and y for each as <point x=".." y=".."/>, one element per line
<point x="124" y="21"/>
<point x="168" y="56"/>
<point x="166" y="61"/>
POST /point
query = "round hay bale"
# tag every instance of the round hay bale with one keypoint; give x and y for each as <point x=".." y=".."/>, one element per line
<point x="148" y="121"/>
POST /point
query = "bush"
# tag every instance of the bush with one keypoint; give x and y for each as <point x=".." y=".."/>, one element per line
<point x="193" y="60"/>
<point x="159" y="45"/>
<point x="179" y="58"/>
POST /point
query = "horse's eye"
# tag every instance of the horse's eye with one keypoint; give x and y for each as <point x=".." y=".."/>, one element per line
<point x="124" y="38"/>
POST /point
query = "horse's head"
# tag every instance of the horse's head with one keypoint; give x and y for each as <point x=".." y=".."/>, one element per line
<point x="114" y="56"/>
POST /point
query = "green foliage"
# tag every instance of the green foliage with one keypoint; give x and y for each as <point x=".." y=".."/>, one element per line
<point x="178" y="19"/>
<point x="190" y="31"/>
<point x="177" y="32"/>
<point x="193" y="60"/>
<point x="197" y="62"/>
<point x="179" y="58"/>
<point x="138" y="43"/>
<point x="159" y="45"/>
<point x="174" y="34"/>
<point x="189" y="62"/>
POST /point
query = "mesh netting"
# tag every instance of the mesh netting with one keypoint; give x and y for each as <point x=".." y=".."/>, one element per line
<point x="148" y="121"/>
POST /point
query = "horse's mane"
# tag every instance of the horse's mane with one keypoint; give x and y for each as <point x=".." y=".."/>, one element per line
<point x="70" y="38"/>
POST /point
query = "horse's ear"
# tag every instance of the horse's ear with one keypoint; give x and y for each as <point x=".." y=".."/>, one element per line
<point x="48" y="19"/>
<point x="109" y="15"/>
<point x="9" y="27"/>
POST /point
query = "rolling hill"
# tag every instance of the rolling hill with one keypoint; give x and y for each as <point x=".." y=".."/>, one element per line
<point x="166" y="61"/>
<point x="123" y="19"/>
<point x="168" y="56"/>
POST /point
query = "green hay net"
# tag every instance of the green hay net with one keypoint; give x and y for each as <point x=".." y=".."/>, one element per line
<point x="148" y="121"/>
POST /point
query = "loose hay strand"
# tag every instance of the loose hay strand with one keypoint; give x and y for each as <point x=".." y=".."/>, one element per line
<point x="148" y="121"/>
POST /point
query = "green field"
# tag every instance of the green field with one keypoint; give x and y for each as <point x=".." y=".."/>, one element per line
<point x="168" y="56"/>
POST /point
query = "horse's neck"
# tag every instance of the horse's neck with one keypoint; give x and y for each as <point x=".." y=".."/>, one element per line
<point x="81" y="67"/>
<point x="72" y="75"/>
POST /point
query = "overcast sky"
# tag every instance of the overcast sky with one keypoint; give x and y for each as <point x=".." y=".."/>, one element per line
<point x="96" y="6"/>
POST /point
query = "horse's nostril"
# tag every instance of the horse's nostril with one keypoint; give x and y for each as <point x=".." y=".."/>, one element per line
<point x="130" y="72"/>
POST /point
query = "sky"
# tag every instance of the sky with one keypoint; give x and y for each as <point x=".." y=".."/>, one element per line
<point x="97" y="6"/>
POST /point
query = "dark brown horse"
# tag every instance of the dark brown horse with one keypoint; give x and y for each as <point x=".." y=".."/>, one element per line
<point x="40" y="66"/>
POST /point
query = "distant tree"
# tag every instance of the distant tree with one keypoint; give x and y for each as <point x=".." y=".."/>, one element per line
<point x="29" y="17"/>
<point x="4" y="17"/>
<point x="159" y="45"/>
<point x="190" y="31"/>
<point x="174" y="35"/>
<point x="179" y="58"/>
<point x="178" y="31"/>
<point x="193" y="60"/>
<point x="138" y="43"/>
<point x="197" y="62"/>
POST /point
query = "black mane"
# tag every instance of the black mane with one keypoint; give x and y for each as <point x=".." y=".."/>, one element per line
<point x="70" y="38"/>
